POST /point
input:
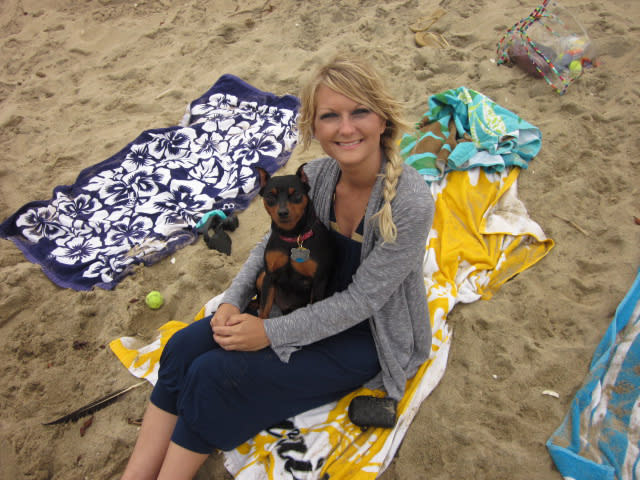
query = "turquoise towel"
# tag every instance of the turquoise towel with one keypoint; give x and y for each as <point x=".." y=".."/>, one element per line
<point x="486" y="135"/>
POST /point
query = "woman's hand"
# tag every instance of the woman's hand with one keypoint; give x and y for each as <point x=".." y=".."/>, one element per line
<point x="223" y="314"/>
<point x="242" y="332"/>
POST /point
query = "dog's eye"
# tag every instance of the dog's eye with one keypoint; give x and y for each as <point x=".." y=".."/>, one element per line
<point x="270" y="199"/>
<point x="295" y="197"/>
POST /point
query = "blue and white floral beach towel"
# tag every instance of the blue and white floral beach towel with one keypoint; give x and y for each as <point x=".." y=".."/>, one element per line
<point x="143" y="203"/>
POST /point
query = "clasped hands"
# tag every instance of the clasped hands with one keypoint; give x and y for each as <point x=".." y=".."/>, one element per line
<point x="234" y="330"/>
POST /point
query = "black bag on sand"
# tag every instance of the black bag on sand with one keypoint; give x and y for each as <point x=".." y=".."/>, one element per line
<point x="366" y="411"/>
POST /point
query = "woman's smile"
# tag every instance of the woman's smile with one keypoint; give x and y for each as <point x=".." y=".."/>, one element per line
<point x="349" y="145"/>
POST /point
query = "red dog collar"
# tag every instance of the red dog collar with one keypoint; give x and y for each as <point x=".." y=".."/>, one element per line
<point x="299" y="239"/>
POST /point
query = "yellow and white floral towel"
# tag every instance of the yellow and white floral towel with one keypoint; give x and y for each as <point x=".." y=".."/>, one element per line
<point x="481" y="237"/>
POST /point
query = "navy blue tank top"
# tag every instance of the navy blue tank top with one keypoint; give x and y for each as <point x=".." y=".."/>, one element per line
<point x="348" y="250"/>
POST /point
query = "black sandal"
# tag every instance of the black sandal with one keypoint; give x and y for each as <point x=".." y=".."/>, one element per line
<point x="214" y="234"/>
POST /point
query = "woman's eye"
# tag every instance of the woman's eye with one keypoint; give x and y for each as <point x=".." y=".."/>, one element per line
<point x="361" y="111"/>
<point x="326" y="116"/>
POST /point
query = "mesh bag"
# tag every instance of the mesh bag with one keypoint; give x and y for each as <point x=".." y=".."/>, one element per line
<point x="550" y="43"/>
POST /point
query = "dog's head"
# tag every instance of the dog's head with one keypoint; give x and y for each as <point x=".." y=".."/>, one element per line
<point x="286" y="197"/>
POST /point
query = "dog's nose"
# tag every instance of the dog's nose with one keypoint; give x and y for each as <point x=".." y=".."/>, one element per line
<point x="283" y="212"/>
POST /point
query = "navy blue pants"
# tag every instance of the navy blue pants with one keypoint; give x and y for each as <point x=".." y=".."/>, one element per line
<point x="223" y="398"/>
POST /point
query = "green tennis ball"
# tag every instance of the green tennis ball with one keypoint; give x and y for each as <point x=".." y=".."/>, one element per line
<point x="154" y="300"/>
<point x="575" y="67"/>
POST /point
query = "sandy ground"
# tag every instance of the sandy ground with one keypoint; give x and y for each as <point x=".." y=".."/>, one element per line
<point x="80" y="79"/>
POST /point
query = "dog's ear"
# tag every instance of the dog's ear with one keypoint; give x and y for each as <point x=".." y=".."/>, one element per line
<point x="263" y="177"/>
<point x="303" y="176"/>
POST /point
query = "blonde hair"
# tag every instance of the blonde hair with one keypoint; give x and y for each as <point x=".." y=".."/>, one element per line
<point x="358" y="81"/>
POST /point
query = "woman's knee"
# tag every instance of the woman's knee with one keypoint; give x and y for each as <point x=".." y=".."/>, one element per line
<point x="213" y="372"/>
<point x="189" y="343"/>
<point x="178" y="342"/>
<point x="174" y="352"/>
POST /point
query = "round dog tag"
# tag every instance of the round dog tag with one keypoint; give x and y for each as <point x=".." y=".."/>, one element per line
<point x="299" y="254"/>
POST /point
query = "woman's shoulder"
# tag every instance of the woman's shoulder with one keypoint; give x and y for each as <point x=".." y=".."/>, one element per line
<point x="318" y="165"/>
<point x="320" y="168"/>
<point x="413" y="201"/>
<point x="412" y="182"/>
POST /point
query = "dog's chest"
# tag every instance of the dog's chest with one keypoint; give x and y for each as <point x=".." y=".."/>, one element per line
<point x="284" y="262"/>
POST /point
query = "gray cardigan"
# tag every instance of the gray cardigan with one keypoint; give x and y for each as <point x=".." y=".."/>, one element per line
<point x="388" y="287"/>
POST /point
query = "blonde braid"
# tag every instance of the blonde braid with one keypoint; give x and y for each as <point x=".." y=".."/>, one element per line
<point x="392" y="172"/>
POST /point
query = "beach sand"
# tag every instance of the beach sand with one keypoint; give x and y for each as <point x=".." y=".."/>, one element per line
<point x="81" y="79"/>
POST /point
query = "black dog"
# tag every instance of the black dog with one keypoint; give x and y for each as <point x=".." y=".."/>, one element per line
<point x="298" y="259"/>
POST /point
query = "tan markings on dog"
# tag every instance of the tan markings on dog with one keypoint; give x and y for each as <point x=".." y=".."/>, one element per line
<point x="297" y="209"/>
<point x="308" y="268"/>
<point x="273" y="192"/>
<point x="260" y="280"/>
<point x="273" y="209"/>
<point x="271" y="297"/>
<point x="275" y="259"/>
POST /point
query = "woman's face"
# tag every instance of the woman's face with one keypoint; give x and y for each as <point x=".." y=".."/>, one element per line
<point x="346" y="130"/>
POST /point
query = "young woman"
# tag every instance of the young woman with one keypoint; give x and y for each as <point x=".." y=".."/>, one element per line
<point x="225" y="378"/>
